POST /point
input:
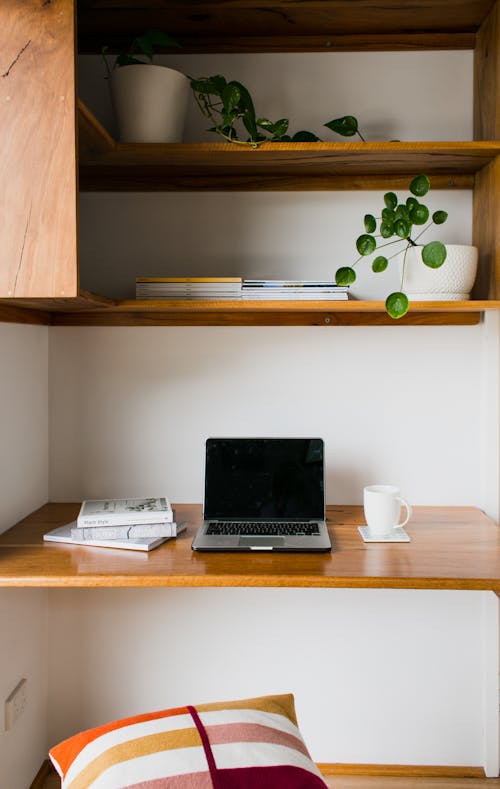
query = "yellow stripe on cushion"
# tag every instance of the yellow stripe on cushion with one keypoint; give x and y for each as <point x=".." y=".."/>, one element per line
<point x="281" y="705"/>
<point x="134" y="749"/>
<point x="66" y="752"/>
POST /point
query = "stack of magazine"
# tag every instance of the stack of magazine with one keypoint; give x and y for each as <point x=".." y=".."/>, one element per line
<point x="295" y="290"/>
<point x="136" y="524"/>
<point x="188" y="288"/>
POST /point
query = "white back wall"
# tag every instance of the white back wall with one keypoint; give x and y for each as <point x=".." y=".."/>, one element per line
<point x="23" y="488"/>
<point x="131" y="408"/>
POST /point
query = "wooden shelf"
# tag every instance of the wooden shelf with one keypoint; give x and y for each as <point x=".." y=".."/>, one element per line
<point x="285" y="25"/>
<point x="89" y="310"/>
<point x="450" y="548"/>
<point x="107" y="165"/>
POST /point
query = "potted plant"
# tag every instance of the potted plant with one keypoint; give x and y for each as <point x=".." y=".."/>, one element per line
<point x="433" y="271"/>
<point x="150" y="101"/>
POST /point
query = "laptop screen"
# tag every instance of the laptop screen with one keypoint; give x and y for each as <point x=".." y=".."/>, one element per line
<point x="264" y="478"/>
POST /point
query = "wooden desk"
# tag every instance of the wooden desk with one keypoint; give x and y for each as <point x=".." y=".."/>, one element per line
<point x="450" y="548"/>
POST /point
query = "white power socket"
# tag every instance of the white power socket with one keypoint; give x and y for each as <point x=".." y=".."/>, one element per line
<point x="15" y="704"/>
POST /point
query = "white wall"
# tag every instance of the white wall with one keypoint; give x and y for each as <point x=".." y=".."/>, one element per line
<point x="392" y="676"/>
<point x="23" y="488"/>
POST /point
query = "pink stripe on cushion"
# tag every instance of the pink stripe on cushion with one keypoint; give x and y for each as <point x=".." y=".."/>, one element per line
<point x="281" y="777"/>
<point x="253" y="732"/>
<point x="187" y="781"/>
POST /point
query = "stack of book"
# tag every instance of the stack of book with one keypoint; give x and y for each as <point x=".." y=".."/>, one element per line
<point x="188" y="288"/>
<point x="136" y="524"/>
<point x="295" y="290"/>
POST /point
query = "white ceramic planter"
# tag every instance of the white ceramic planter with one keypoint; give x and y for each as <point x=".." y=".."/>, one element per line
<point x="150" y="103"/>
<point x="452" y="281"/>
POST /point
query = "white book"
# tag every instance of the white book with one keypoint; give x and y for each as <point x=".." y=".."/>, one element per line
<point x="116" y="512"/>
<point x="64" y="534"/>
<point x="126" y="532"/>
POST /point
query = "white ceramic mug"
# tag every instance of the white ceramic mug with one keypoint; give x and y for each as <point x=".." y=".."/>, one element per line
<point x="382" y="506"/>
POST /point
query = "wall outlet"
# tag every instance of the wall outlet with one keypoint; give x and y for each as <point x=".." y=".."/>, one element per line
<point x="15" y="704"/>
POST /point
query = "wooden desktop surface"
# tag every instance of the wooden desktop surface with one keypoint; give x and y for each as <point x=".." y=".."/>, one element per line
<point x="450" y="548"/>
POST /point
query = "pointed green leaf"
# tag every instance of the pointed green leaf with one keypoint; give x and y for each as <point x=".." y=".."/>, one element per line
<point x="347" y="126"/>
<point x="434" y="254"/>
<point x="439" y="217"/>
<point x="420" y="186"/>
<point x="391" y="200"/>
<point x="397" y="305"/>
<point x="230" y="97"/>
<point x="370" y="223"/>
<point x="366" y="245"/>
<point x="345" y="276"/>
<point x="379" y="264"/>
<point x="305" y="136"/>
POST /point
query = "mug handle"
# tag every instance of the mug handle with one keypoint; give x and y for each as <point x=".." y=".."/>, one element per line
<point x="408" y="513"/>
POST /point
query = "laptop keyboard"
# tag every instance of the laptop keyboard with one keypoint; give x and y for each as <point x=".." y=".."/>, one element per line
<point x="252" y="529"/>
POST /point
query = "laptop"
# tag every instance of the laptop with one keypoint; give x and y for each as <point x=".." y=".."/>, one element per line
<point x="264" y="494"/>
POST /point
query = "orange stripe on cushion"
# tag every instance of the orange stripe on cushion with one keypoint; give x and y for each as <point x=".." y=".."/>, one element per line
<point x="133" y="749"/>
<point x="66" y="752"/>
<point x="280" y="705"/>
<point x="220" y="734"/>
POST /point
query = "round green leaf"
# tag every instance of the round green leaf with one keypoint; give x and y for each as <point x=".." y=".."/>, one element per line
<point x="402" y="212"/>
<point x="402" y="228"/>
<point x="366" y="245"/>
<point x="434" y="254"/>
<point x="388" y="215"/>
<point x="419" y="214"/>
<point x="387" y="229"/>
<point x="397" y="305"/>
<point x="420" y="186"/>
<point x="411" y="201"/>
<point x="380" y="264"/>
<point x="345" y="276"/>
<point x="390" y="200"/>
<point x="439" y="217"/>
<point x="370" y="223"/>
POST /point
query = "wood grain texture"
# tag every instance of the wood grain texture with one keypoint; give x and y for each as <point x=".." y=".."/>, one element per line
<point x="487" y="78"/>
<point x="370" y="776"/>
<point x="486" y="230"/>
<point x="450" y="548"/>
<point x="285" y="25"/>
<point x="37" y="151"/>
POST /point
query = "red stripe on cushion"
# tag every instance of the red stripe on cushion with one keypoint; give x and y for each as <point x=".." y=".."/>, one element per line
<point x="66" y="752"/>
<point x="284" y="777"/>
<point x="206" y="746"/>
<point x="188" y="781"/>
<point x="253" y="732"/>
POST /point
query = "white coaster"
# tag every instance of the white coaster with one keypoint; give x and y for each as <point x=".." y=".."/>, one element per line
<point x="396" y="535"/>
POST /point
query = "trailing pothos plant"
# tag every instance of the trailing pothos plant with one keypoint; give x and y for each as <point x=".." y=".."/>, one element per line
<point x="398" y="221"/>
<point x="230" y="109"/>
<point x="141" y="50"/>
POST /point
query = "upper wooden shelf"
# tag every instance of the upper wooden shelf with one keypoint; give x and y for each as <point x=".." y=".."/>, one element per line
<point x="450" y="548"/>
<point x="107" y="165"/>
<point x="285" y="25"/>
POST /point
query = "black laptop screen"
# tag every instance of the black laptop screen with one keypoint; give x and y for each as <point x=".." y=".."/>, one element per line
<point x="264" y="478"/>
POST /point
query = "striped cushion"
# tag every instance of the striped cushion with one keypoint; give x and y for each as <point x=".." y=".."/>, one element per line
<point x="248" y="744"/>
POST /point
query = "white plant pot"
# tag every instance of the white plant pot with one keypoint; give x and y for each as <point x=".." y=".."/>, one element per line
<point x="150" y="103"/>
<point x="452" y="281"/>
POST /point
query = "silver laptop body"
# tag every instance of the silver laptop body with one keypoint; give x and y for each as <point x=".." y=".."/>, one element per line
<point x="264" y="494"/>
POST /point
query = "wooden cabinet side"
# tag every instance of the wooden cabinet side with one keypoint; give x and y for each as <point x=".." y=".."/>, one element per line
<point x="38" y="173"/>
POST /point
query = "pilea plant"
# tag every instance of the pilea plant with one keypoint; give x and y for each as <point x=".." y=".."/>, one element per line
<point x="141" y="47"/>
<point x="398" y="221"/>
<point x="229" y="105"/>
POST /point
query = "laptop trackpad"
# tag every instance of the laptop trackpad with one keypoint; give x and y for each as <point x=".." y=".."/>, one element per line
<point x="261" y="543"/>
